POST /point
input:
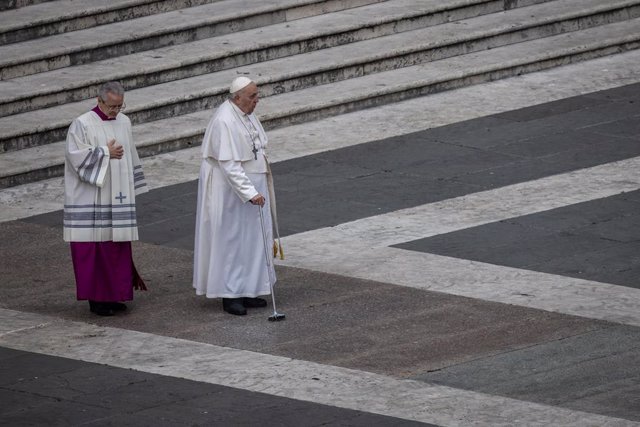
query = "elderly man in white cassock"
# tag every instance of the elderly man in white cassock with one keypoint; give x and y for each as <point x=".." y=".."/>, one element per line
<point x="102" y="178"/>
<point x="229" y="256"/>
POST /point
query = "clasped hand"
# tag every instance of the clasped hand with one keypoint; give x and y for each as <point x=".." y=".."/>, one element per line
<point x="115" y="150"/>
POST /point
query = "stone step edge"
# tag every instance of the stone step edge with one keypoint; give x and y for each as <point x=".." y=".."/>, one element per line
<point x="192" y="137"/>
<point x="270" y="83"/>
<point x="14" y="62"/>
<point x="19" y="4"/>
<point x="63" y="18"/>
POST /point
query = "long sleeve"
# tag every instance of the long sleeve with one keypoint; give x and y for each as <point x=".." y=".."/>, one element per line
<point x="238" y="180"/>
<point x="89" y="162"/>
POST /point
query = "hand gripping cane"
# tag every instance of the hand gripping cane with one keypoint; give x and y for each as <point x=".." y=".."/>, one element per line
<point x="275" y="317"/>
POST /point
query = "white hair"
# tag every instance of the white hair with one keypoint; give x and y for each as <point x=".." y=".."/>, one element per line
<point x="110" y="87"/>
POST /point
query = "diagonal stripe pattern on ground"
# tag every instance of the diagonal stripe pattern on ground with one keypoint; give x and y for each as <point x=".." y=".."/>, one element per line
<point x="360" y="248"/>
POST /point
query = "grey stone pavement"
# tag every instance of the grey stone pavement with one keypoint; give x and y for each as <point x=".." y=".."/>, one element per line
<point x="493" y="349"/>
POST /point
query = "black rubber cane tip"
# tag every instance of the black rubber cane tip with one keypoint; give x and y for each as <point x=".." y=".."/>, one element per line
<point x="276" y="317"/>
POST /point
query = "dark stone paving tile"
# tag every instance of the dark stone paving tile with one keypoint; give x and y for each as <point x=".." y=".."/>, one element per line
<point x="59" y="413"/>
<point x="391" y="191"/>
<point x="398" y="153"/>
<point x="174" y="230"/>
<point x="174" y="200"/>
<point x="613" y="149"/>
<point x="50" y="219"/>
<point x="447" y="167"/>
<point x="145" y="392"/>
<point x="500" y="176"/>
<point x="552" y="126"/>
<point x="260" y="411"/>
<point x="508" y="248"/>
<point x="322" y="212"/>
<point x="574" y="217"/>
<point x="464" y="130"/>
<point x="93" y="394"/>
<point x="554" y="108"/>
<point x="550" y="144"/>
<point x="507" y="134"/>
<point x="86" y="382"/>
<point x="618" y="264"/>
<point x="628" y="127"/>
<point x="594" y="115"/>
<point x="596" y="240"/>
<point x="628" y="92"/>
<point x="585" y="372"/>
<point x="325" y="172"/>
<point x="17" y="402"/>
<point x="8" y="353"/>
<point x="625" y="228"/>
<point x="30" y="368"/>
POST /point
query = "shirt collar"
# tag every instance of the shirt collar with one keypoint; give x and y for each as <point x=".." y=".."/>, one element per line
<point x="102" y="115"/>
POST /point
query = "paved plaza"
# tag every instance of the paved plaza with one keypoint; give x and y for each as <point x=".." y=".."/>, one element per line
<point x="470" y="258"/>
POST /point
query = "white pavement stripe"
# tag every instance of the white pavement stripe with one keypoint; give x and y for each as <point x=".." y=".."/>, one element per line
<point x="373" y="124"/>
<point x="359" y="248"/>
<point x="280" y="376"/>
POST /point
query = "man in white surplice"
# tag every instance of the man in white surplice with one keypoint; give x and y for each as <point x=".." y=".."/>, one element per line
<point x="102" y="178"/>
<point x="229" y="256"/>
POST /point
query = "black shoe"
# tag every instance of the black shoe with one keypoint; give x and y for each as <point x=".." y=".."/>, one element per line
<point x="100" y="308"/>
<point x="254" y="302"/>
<point x="116" y="306"/>
<point x="234" y="306"/>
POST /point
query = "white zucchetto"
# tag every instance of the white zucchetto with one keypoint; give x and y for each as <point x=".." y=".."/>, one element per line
<point x="239" y="83"/>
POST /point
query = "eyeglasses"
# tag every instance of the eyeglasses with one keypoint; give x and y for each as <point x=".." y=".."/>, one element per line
<point x="120" y="107"/>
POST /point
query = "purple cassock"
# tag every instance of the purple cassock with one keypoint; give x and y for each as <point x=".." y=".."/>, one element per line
<point x="104" y="271"/>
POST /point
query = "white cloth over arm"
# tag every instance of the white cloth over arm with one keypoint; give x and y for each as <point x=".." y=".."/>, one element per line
<point x="89" y="162"/>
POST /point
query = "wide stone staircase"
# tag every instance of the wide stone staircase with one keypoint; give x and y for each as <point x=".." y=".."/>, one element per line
<point x="311" y="59"/>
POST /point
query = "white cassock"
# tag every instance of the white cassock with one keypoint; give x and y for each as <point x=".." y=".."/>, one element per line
<point x="229" y="254"/>
<point x="100" y="193"/>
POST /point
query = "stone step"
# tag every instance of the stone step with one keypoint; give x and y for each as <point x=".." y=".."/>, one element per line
<point x="371" y="90"/>
<point x="62" y="16"/>
<point x="328" y="65"/>
<point x="174" y="62"/>
<point x="151" y="32"/>
<point x="15" y="4"/>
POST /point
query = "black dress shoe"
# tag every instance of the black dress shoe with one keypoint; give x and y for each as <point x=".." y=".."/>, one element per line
<point x="234" y="306"/>
<point x="116" y="306"/>
<point x="254" y="302"/>
<point x="100" y="308"/>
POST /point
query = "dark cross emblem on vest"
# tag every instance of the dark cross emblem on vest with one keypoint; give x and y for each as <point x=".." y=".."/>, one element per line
<point x="255" y="151"/>
<point x="121" y="197"/>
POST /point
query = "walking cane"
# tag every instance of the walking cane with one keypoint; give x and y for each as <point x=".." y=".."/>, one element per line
<point x="275" y="317"/>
